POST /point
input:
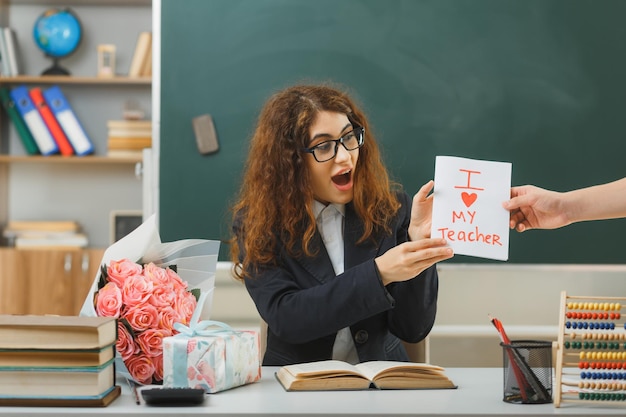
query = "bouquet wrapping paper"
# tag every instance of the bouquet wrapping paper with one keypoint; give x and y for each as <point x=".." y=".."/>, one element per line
<point x="215" y="360"/>
<point x="153" y="288"/>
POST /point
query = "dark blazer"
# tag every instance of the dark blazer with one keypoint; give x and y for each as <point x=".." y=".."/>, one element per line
<point x="305" y="304"/>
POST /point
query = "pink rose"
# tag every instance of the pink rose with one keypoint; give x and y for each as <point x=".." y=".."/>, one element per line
<point x="141" y="368"/>
<point x="158" y="368"/>
<point x="118" y="271"/>
<point x="161" y="296"/>
<point x="156" y="274"/>
<point x="142" y="317"/>
<point x="125" y="344"/>
<point x="175" y="280"/>
<point x="151" y="341"/>
<point x="185" y="305"/>
<point x="136" y="290"/>
<point x="109" y="301"/>
<point x="167" y="317"/>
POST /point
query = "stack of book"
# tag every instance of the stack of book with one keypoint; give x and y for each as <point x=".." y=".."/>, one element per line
<point x="45" y="234"/>
<point x="45" y="121"/>
<point x="128" y="137"/>
<point x="66" y="361"/>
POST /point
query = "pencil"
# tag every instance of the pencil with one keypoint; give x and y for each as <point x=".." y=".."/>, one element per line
<point x="133" y="389"/>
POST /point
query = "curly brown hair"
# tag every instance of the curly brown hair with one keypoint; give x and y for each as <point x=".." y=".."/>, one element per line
<point x="275" y="199"/>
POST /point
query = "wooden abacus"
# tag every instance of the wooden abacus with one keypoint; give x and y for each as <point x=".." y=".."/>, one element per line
<point x="591" y="351"/>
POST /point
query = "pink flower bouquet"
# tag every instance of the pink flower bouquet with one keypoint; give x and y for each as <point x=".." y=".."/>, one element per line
<point x="149" y="286"/>
<point x="147" y="300"/>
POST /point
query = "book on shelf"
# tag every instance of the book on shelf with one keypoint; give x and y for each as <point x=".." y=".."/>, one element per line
<point x="129" y="143"/>
<point x="101" y="400"/>
<point x="56" y="332"/>
<point x="5" y="66"/>
<point x="57" y="102"/>
<point x="30" y="146"/>
<point x="51" y="122"/>
<point x="43" y="225"/>
<point x="135" y="124"/>
<point x="15" y="65"/>
<point x="146" y="70"/>
<point x="129" y="128"/>
<point x="69" y="382"/>
<point x="56" y="358"/>
<point x="333" y="375"/>
<point x="51" y="240"/>
<point x="140" y="55"/>
<point x="125" y="153"/>
<point x="34" y="121"/>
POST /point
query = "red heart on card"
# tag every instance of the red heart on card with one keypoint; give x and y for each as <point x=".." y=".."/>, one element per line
<point x="468" y="199"/>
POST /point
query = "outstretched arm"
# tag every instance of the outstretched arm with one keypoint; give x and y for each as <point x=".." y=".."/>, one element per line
<point x="536" y="208"/>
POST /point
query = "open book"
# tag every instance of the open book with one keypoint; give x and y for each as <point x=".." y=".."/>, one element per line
<point x="338" y="375"/>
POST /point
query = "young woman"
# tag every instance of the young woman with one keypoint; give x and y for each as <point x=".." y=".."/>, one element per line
<point x="338" y="261"/>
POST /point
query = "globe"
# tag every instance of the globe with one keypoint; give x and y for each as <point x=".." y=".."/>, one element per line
<point x="57" y="33"/>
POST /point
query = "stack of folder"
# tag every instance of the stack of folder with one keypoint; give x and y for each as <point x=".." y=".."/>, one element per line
<point x="63" y="361"/>
<point x="45" y="121"/>
<point x="129" y="137"/>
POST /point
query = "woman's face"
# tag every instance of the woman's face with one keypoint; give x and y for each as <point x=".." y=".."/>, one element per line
<point x="332" y="181"/>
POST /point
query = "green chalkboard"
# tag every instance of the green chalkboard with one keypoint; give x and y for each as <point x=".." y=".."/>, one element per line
<point x="538" y="83"/>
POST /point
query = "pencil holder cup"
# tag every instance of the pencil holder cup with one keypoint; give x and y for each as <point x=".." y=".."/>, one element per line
<point x="527" y="371"/>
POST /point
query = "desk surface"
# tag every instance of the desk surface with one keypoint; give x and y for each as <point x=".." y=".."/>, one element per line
<point x="479" y="394"/>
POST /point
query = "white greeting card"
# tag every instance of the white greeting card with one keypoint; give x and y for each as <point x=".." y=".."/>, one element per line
<point x="467" y="206"/>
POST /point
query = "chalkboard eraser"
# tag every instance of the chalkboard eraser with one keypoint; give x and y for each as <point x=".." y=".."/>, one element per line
<point x="206" y="138"/>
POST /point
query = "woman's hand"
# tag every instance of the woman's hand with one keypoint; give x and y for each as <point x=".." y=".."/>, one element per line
<point x="409" y="259"/>
<point x="421" y="213"/>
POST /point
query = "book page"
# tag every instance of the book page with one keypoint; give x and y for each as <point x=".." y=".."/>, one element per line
<point x="322" y="368"/>
<point x="374" y="369"/>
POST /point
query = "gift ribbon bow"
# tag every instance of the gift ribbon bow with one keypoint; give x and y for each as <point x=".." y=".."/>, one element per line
<point x="199" y="327"/>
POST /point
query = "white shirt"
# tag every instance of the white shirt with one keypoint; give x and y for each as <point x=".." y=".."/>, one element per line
<point x="329" y="221"/>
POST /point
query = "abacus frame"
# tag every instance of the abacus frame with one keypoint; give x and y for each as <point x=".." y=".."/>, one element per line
<point x="602" y="326"/>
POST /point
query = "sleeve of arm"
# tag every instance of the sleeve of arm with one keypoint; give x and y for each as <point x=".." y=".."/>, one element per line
<point x="413" y="315"/>
<point x="299" y="311"/>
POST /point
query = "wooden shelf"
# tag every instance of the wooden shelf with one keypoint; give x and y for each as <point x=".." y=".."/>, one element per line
<point x="57" y="159"/>
<point x="60" y="79"/>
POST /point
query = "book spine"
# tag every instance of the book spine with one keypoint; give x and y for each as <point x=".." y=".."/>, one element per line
<point x="11" y="46"/>
<point x="4" y="55"/>
<point x="33" y="120"/>
<point x="139" y="57"/>
<point x="146" y="67"/>
<point x="22" y="130"/>
<point x="51" y="122"/>
<point x="69" y="122"/>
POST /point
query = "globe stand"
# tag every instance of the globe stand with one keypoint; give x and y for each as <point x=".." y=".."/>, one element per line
<point x="55" y="69"/>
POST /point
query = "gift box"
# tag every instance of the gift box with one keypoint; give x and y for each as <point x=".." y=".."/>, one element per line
<point x="216" y="362"/>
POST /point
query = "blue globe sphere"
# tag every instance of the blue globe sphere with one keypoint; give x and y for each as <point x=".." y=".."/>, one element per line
<point x="57" y="32"/>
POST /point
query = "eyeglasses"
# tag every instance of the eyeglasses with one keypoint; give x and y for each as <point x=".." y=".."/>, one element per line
<point x="325" y="151"/>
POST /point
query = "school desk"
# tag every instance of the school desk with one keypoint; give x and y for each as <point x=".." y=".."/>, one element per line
<point x="479" y="393"/>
